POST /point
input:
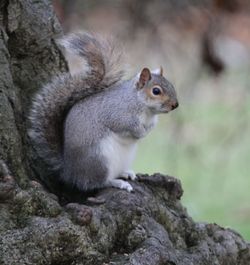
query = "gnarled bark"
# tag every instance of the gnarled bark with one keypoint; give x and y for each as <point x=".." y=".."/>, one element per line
<point x="29" y="58"/>
<point x="148" y="226"/>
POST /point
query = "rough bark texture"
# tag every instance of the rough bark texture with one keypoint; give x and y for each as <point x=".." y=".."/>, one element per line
<point x="29" y="57"/>
<point x="148" y="226"/>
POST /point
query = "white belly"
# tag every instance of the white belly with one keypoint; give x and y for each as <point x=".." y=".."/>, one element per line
<point x="149" y="121"/>
<point x="119" y="153"/>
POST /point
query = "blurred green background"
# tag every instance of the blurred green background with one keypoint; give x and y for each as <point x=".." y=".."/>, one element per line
<point x="204" y="48"/>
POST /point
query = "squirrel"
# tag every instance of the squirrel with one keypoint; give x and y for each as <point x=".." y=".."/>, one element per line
<point x="86" y="126"/>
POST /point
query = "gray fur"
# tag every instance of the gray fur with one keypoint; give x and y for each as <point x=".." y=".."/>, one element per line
<point x="95" y="105"/>
<point x="94" y="118"/>
<point x="84" y="168"/>
<point x="53" y="101"/>
<point x="88" y="122"/>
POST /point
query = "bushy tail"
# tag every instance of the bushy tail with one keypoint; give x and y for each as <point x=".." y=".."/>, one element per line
<point x="53" y="101"/>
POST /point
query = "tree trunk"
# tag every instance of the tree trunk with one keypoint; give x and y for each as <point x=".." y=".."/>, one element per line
<point x="148" y="226"/>
<point x="29" y="58"/>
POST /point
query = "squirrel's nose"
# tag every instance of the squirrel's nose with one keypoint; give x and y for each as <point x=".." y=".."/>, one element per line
<point x="175" y="105"/>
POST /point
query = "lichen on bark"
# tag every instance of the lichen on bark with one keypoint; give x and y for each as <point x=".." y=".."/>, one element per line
<point x="29" y="57"/>
<point x="148" y="226"/>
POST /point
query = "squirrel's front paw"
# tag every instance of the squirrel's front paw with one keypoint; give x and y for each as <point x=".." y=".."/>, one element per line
<point x="129" y="174"/>
<point x="120" y="184"/>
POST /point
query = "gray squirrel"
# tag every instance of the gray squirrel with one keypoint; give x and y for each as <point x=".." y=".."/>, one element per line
<point x="86" y="126"/>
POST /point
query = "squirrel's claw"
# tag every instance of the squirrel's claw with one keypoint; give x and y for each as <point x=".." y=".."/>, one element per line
<point x="129" y="174"/>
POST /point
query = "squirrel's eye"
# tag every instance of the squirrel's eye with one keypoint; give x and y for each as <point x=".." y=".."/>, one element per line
<point x="156" y="91"/>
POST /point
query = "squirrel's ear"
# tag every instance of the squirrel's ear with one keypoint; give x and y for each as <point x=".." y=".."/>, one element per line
<point x="158" y="71"/>
<point x="145" y="76"/>
<point x="161" y="71"/>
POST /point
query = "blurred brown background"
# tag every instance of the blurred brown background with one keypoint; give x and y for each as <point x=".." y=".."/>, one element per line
<point x="204" y="48"/>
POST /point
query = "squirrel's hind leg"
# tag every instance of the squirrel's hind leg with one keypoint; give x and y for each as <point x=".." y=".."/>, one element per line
<point x="84" y="168"/>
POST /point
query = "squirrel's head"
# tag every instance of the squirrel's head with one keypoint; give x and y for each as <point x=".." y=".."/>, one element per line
<point x="157" y="92"/>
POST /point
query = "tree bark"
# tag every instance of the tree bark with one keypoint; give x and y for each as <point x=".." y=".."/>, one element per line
<point x="29" y="58"/>
<point x="148" y="226"/>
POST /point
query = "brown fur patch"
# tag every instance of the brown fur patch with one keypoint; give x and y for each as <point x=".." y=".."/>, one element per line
<point x="161" y="71"/>
<point x="163" y="97"/>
